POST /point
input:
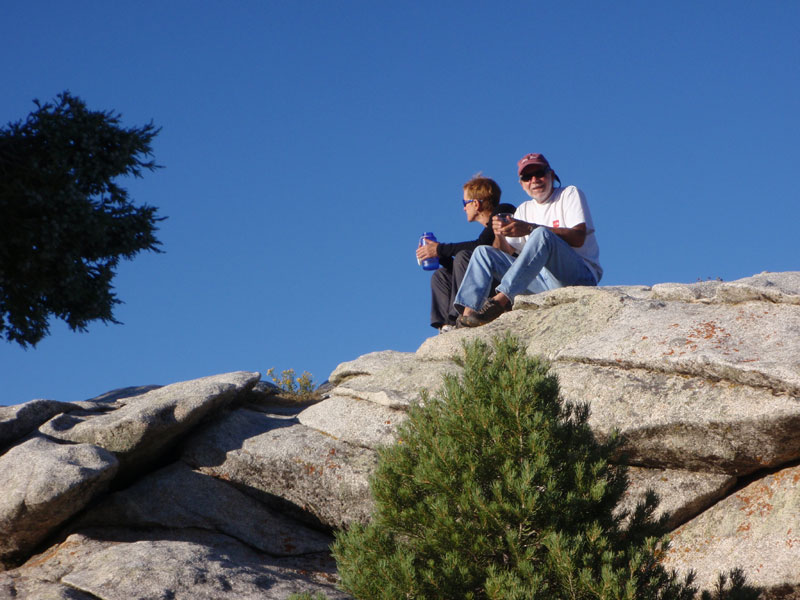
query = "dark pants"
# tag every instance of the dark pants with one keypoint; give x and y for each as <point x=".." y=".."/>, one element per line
<point x="444" y="285"/>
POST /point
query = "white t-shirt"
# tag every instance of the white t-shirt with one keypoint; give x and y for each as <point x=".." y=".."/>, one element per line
<point x="566" y="207"/>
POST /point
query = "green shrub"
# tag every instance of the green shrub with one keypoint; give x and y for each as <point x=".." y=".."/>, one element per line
<point x="498" y="489"/>
<point x="301" y="387"/>
<point x="731" y="586"/>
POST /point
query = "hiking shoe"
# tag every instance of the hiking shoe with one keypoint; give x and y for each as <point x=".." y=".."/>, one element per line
<point x="446" y="328"/>
<point x="490" y="311"/>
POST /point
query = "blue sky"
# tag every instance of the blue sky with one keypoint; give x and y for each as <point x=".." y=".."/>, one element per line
<point x="307" y="145"/>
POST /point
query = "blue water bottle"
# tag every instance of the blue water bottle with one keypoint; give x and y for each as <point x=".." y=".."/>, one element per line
<point x="429" y="264"/>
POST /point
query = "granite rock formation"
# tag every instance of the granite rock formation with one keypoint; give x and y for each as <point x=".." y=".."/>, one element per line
<point x="221" y="488"/>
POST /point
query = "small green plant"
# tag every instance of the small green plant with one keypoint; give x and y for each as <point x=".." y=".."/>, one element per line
<point x="731" y="586"/>
<point x="307" y="596"/>
<point x="498" y="489"/>
<point x="302" y="387"/>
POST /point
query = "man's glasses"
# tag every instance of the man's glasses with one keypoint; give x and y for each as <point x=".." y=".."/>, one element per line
<point x="468" y="201"/>
<point x="528" y="175"/>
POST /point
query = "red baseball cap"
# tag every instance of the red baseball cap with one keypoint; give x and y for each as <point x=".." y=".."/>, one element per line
<point x="532" y="159"/>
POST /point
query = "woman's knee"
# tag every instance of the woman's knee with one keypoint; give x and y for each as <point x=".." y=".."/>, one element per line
<point x="441" y="278"/>
<point x="461" y="259"/>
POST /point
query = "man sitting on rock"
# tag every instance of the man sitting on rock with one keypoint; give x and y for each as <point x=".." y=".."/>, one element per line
<point x="549" y="243"/>
<point x="481" y="201"/>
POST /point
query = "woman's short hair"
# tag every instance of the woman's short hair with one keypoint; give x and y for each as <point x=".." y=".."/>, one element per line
<point x="483" y="189"/>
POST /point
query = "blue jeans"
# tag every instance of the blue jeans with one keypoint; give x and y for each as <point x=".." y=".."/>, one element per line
<point x="546" y="262"/>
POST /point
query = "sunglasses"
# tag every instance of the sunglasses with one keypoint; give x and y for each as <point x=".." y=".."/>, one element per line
<point x="528" y="175"/>
<point x="469" y="201"/>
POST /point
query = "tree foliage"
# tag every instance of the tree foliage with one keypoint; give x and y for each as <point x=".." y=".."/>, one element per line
<point x="498" y="489"/>
<point x="64" y="221"/>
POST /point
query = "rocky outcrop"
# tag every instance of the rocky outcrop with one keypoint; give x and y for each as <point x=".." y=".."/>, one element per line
<point x="221" y="488"/>
<point x="758" y="528"/>
<point x="44" y="484"/>
<point x="287" y="465"/>
<point x="144" y="427"/>
<point x="101" y="490"/>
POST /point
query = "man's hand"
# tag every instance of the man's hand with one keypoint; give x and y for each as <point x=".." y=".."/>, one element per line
<point x="427" y="251"/>
<point x="574" y="236"/>
<point x="501" y="243"/>
<point x="511" y="227"/>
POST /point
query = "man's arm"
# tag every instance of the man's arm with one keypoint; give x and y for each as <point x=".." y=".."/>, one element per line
<point x="574" y="236"/>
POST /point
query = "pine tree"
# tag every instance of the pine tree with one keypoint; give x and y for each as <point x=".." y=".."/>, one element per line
<point x="65" y="223"/>
<point x="498" y="489"/>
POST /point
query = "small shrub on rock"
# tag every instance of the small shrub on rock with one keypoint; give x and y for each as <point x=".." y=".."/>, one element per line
<point x="731" y="586"/>
<point x="498" y="489"/>
<point x="300" y="387"/>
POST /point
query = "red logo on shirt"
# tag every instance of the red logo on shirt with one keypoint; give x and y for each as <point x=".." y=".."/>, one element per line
<point x="555" y="223"/>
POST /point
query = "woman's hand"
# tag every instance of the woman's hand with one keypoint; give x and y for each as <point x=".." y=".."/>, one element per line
<point x="428" y="250"/>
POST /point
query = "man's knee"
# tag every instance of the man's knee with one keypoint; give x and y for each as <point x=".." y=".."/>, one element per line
<point x="540" y="240"/>
<point x="483" y="253"/>
<point x="541" y="234"/>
